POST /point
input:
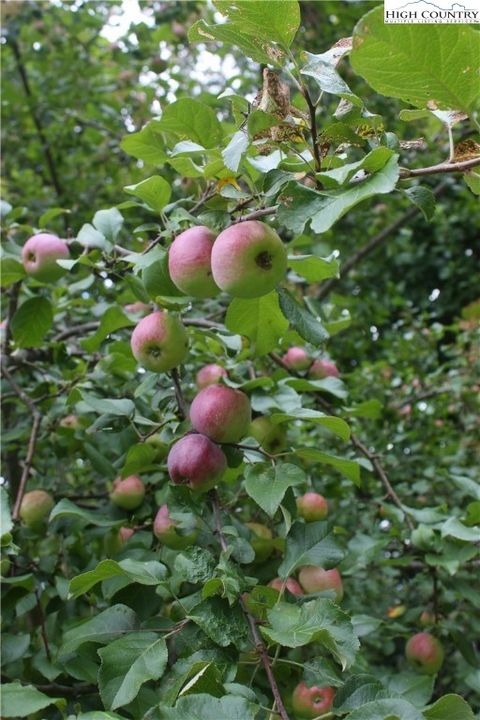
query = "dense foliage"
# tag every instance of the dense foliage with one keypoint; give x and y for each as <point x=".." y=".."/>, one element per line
<point x="363" y="155"/>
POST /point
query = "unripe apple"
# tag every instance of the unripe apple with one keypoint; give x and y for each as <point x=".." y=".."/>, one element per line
<point x="323" y="368"/>
<point x="5" y="565"/>
<point x="425" y="653"/>
<point x="221" y="413"/>
<point x="271" y="437"/>
<point x="290" y="584"/>
<point x="197" y="462"/>
<point x="248" y="259"/>
<point x="314" y="579"/>
<point x="189" y="262"/>
<point x="210" y="375"/>
<point x="35" y="508"/>
<point x="115" y="539"/>
<point x="261" y="541"/>
<point x="310" y="702"/>
<point x="159" y="342"/>
<point x="164" y="530"/>
<point x="40" y="254"/>
<point x="128" y="493"/>
<point x="427" y="618"/>
<point x="297" y="359"/>
<point x="312" y="506"/>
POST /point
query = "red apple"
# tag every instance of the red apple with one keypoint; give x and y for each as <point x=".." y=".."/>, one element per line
<point x="197" y="462"/>
<point x="40" y="254"/>
<point x="297" y="359"/>
<point x="189" y="262"/>
<point x="248" y="259"/>
<point x="425" y="653"/>
<point x="115" y="539"/>
<point x="128" y="493"/>
<point x="221" y="413"/>
<point x="210" y="375"/>
<point x="35" y="508"/>
<point x="164" y="529"/>
<point x="315" y="579"/>
<point x="323" y="368"/>
<point x="159" y="342"/>
<point x="270" y="436"/>
<point x="310" y="702"/>
<point x="312" y="506"/>
<point x="290" y="584"/>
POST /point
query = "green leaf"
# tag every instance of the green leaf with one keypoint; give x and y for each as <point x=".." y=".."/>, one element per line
<point x="236" y="148"/>
<point x="14" y="647"/>
<point x="103" y="628"/>
<point x="67" y="509"/>
<point x="193" y="120"/>
<point x="6" y="522"/>
<point x="110" y="406"/>
<point x="23" y="700"/>
<point x="411" y="686"/>
<point x="454" y="528"/>
<point x="389" y="709"/>
<point x="314" y="268"/>
<point x="12" y="271"/>
<point x="258" y="120"/>
<point x="31" y="322"/>
<point x="139" y="457"/>
<point x="157" y="281"/>
<point x="318" y="621"/>
<point x="144" y="573"/>
<point x="127" y="663"/>
<point x="310" y="544"/>
<point x="277" y="20"/>
<point x="223" y="624"/>
<point x="50" y="214"/>
<point x="334" y="424"/>
<point x="449" y="707"/>
<point x="425" y="65"/>
<point x="322" y="68"/>
<point x="299" y="204"/>
<point x="424" y="199"/>
<point x="357" y="691"/>
<point x="260" y="319"/>
<point x="472" y="179"/>
<point x="154" y="191"/>
<point x="349" y="468"/>
<point x="89" y="237"/>
<point x="367" y="409"/>
<point x="146" y="145"/>
<point x="108" y="222"/>
<point x="267" y="485"/>
<point x="206" y="707"/>
<point x="112" y="319"/>
<point x="371" y="163"/>
<point x="308" y="327"/>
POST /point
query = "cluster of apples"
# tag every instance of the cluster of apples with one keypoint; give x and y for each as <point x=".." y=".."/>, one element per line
<point x="297" y="359"/>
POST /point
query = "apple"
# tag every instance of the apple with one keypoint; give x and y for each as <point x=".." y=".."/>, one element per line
<point x="271" y="437"/>
<point x="164" y="530"/>
<point x="70" y="421"/>
<point x="425" y="653"/>
<point x="35" y="508"/>
<point x="314" y="579"/>
<point x="210" y="375"/>
<point x="115" y="539"/>
<point x="290" y="584"/>
<point x="310" y="702"/>
<point x="189" y="262"/>
<point x="159" y="342"/>
<point x="297" y="359"/>
<point x="221" y="413"/>
<point x="128" y="493"/>
<point x="40" y="254"/>
<point x="261" y="541"/>
<point x="322" y="369"/>
<point x="197" y="462"/>
<point x="427" y="618"/>
<point x="5" y="565"/>
<point x="248" y="259"/>
<point x="312" y="506"/>
<point x="137" y="308"/>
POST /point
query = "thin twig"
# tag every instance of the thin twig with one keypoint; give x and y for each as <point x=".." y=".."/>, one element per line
<point x="181" y="402"/>
<point x="12" y="308"/>
<point x="441" y="168"/>
<point x="259" y="644"/>
<point x="42" y="627"/>
<point x="313" y="129"/>
<point x="433" y="572"/>
<point x="262" y="212"/>
<point x="76" y="330"/>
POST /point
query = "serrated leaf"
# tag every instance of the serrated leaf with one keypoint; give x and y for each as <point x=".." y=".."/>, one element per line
<point x="310" y="544"/>
<point x="449" y="707"/>
<point x="154" y="191"/>
<point x="388" y="709"/>
<point x="149" y="572"/>
<point x="223" y="624"/>
<point x="357" y="691"/>
<point x="310" y="328"/>
<point x="103" y="628"/>
<point x="146" y="145"/>
<point x="127" y="663"/>
<point x="206" y="707"/>
<point x="193" y="120"/>
<point x="260" y="319"/>
<point x="267" y="485"/>
<point x="31" y="322"/>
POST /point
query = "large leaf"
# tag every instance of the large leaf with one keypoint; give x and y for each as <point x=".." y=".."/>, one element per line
<point x="310" y="544"/>
<point x="449" y="707"/>
<point x="220" y="622"/>
<point x="193" y="120"/>
<point x="309" y="327"/>
<point x="23" y="700"/>
<point x="349" y="468"/>
<point x="66" y="508"/>
<point x="321" y="621"/>
<point x="144" y="573"/>
<point x="108" y="222"/>
<point x="260" y="319"/>
<point x="154" y="191"/>
<point x="332" y="423"/>
<point x="112" y="319"/>
<point x="434" y="66"/>
<point x="267" y="485"/>
<point x="314" y="268"/>
<point x="322" y="68"/>
<point x="357" y="691"/>
<point x="391" y="709"/>
<point x="103" y="628"/>
<point x="146" y="145"/>
<point x="206" y="707"/>
<point x="12" y="271"/>
<point x="127" y="663"/>
<point x="31" y="322"/>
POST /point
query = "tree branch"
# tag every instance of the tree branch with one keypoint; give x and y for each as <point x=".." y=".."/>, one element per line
<point x="262" y="212"/>
<point x="12" y="307"/>
<point x="259" y="644"/>
<point x="181" y="403"/>
<point x="444" y="167"/>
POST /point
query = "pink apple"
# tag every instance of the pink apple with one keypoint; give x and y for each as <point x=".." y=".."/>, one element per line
<point x="290" y="584"/>
<point x="197" y="462"/>
<point x="310" y="702"/>
<point x="164" y="529"/>
<point x="314" y="579"/>
<point x="70" y="421"/>
<point x="35" y="508"/>
<point x="128" y="493"/>
<point x="322" y="369"/>
<point x="297" y="359"/>
<point x="248" y="259"/>
<point x="189" y="262"/>
<point x="221" y="413"/>
<point x="159" y="342"/>
<point x="425" y="653"/>
<point x="114" y="540"/>
<point x="40" y="254"/>
<point x="312" y="506"/>
<point x="210" y="375"/>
